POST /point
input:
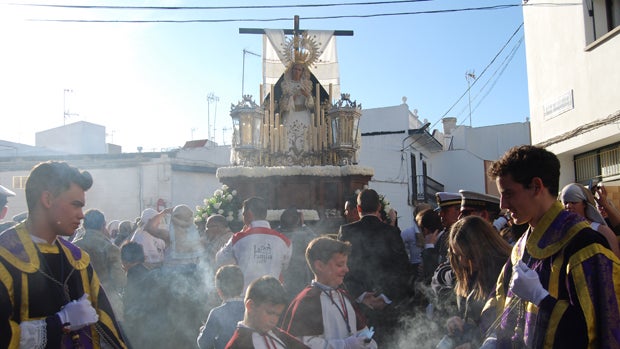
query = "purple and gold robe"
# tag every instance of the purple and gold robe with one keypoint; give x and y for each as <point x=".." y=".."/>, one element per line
<point x="582" y="276"/>
<point x="27" y="294"/>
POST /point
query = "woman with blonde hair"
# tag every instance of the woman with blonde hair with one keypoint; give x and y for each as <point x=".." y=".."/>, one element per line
<point x="578" y="199"/>
<point x="477" y="254"/>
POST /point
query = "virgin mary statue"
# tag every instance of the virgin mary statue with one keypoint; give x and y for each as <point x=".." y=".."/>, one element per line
<point x="296" y="108"/>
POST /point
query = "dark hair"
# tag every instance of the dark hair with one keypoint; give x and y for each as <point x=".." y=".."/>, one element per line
<point x="290" y="218"/>
<point x="55" y="177"/>
<point x="229" y="280"/>
<point x="94" y="219"/>
<point x="477" y="241"/>
<point x="323" y="248"/>
<point x="125" y="229"/>
<point x="257" y="206"/>
<point x="429" y="219"/>
<point x="217" y="219"/>
<point x="368" y="201"/>
<point x="524" y="163"/>
<point x="132" y="252"/>
<point x="352" y="200"/>
<point x="266" y="289"/>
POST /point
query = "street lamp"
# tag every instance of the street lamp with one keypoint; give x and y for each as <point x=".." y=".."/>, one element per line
<point x="344" y="117"/>
<point x="247" y="119"/>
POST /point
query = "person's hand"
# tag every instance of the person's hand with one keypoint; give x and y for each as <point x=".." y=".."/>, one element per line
<point x="78" y="313"/>
<point x="526" y="285"/>
<point x="355" y="342"/>
<point x="432" y="237"/>
<point x="305" y="92"/>
<point x="374" y="301"/>
<point x="454" y="325"/>
<point x="601" y="197"/>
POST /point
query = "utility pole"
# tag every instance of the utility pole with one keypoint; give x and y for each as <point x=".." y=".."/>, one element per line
<point x="243" y="70"/>
<point x="469" y="76"/>
<point x="211" y="98"/>
<point x="66" y="112"/>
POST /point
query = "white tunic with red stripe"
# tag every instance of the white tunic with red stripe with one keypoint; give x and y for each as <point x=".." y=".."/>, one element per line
<point x="258" y="251"/>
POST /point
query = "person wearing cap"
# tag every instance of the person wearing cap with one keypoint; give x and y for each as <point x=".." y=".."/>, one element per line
<point x="151" y="237"/>
<point x="4" y="194"/>
<point x="478" y="204"/>
<point x="436" y="245"/>
<point x="578" y="199"/>
<point x="472" y="204"/>
<point x="560" y="286"/>
<point x="216" y="235"/>
<point x="50" y="295"/>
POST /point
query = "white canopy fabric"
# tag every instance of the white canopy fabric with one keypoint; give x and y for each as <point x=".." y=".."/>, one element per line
<point x="326" y="69"/>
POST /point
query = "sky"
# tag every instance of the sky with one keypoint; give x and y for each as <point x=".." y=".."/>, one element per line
<point x="148" y="83"/>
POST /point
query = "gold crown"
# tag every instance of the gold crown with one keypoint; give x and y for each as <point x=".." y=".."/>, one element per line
<point x="301" y="49"/>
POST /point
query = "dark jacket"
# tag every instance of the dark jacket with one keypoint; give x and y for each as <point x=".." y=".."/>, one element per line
<point x="378" y="260"/>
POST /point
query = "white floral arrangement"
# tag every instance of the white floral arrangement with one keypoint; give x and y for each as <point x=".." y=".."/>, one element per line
<point x="320" y="171"/>
<point x="224" y="201"/>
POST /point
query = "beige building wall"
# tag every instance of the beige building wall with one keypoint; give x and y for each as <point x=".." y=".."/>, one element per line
<point x="573" y="82"/>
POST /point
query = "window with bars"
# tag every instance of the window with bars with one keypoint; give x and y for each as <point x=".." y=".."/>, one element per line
<point x="19" y="182"/>
<point x="597" y="164"/>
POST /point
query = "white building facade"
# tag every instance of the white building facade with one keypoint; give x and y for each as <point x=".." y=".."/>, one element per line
<point x="411" y="162"/>
<point x="572" y="54"/>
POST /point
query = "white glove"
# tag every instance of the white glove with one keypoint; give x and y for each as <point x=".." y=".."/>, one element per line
<point x="354" y="342"/>
<point x="78" y="313"/>
<point x="526" y="284"/>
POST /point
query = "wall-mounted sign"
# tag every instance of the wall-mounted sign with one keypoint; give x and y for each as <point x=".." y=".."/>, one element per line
<point x="559" y="105"/>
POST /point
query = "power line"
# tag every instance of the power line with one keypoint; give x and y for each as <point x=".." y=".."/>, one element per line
<point x="482" y="8"/>
<point x="241" y="7"/>
<point x="492" y="80"/>
<point x="481" y="74"/>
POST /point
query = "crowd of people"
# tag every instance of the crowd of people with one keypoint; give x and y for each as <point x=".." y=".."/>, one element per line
<point x="534" y="268"/>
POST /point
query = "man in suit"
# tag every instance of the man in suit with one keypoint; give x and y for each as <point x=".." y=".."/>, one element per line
<point x="379" y="270"/>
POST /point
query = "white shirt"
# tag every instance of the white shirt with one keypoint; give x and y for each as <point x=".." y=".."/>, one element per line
<point x="256" y="253"/>
<point x="409" y="238"/>
<point x="153" y="247"/>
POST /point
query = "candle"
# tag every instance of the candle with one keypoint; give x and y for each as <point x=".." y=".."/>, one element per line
<point x="330" y="94"/>
<point x="271" y="103"/>
<point x="283" y="144"/>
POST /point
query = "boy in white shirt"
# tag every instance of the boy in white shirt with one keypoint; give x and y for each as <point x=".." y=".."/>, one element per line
<point x="323" y="314"/>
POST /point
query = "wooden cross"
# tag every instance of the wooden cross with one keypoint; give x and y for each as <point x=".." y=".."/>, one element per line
<point x="293" y="31"/>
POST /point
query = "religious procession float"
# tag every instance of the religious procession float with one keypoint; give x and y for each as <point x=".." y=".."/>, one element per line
<point x="298" y="145"/>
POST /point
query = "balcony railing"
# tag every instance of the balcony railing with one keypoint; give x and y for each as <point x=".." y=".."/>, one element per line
<point x="425" y="188"/>
<point x="598" y="164"/>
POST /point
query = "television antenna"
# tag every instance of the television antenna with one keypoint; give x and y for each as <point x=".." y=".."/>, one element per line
<point x="243" y="70"/>
<point x="469" y="76"/>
